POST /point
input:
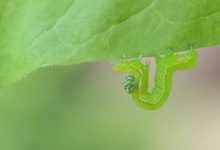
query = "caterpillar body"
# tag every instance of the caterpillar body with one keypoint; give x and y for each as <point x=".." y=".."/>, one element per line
<point x="136" y="84"/>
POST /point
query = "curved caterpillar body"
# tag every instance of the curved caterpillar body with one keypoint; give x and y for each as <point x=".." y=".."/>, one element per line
<point x="137" y="83"/>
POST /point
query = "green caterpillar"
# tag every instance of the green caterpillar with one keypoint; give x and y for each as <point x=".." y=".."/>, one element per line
<point x="137" y="83"/>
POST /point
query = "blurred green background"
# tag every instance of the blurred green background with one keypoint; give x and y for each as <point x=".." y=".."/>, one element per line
<point x="84" y="107"/>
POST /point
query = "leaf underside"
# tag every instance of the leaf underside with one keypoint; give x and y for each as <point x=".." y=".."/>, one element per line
<point x="37" y="33"/>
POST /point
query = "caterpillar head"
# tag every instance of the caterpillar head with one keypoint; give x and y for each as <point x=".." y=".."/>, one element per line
<point x="121" y="66"/>
<point x="129" y="84"/>
<point x="127" y="65"/>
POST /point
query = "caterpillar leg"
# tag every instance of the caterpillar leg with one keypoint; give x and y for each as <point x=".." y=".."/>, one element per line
<point x="186" y="61"/>
<point x="130" y="84"/>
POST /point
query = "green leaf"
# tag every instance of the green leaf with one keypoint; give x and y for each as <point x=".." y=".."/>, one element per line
<point x="38" y="33"/>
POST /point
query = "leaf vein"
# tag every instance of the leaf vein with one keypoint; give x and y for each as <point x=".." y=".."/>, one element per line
<point x="54" y="24"/>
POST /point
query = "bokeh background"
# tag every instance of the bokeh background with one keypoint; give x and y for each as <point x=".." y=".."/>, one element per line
<point x="84" y="107"/>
